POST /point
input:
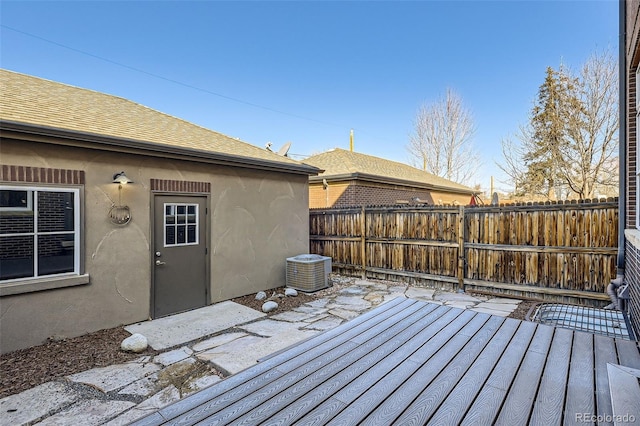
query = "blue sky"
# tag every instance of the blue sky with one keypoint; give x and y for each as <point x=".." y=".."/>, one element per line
<point x="308" y="72"/>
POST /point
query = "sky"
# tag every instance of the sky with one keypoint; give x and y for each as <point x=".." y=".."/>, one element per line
<point x="307" y="72"/>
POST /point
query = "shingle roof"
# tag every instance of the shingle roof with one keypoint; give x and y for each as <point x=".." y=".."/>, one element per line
<point x="339" y="162"/>
<point x="38" y="102"/>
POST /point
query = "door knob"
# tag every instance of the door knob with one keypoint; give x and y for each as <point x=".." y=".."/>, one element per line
<point x="159" y="262"/>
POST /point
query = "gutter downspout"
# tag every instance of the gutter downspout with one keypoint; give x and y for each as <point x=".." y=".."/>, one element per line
<point x="622" y="139"/>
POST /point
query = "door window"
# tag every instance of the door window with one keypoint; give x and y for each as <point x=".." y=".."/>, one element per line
<point x="180" y="224"/>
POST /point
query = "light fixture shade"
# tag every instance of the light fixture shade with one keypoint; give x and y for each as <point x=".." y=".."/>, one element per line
<point x="121" y="178"/>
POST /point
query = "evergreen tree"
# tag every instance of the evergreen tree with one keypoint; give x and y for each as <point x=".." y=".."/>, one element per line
<point x="554" y="121"/>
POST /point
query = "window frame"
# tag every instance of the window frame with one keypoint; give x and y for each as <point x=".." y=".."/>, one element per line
<point x="176" y="224"/>
<point x="77" y="232"/>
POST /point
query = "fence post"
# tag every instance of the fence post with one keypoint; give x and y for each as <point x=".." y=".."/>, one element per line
<point x="461" y="255"/>
<point x="363" y="243"/>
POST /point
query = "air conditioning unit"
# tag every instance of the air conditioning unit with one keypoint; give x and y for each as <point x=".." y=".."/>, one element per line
<point x="308" y="272"/>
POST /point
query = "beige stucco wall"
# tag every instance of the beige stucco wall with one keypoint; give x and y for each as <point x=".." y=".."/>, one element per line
<point x="257" y="220"/>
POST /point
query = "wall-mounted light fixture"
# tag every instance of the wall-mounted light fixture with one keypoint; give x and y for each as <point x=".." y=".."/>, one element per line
<point x="121" y="178"/>
<point x="119" y="214"/>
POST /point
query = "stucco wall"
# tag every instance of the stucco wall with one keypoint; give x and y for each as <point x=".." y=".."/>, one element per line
<point x="258" y="218"/>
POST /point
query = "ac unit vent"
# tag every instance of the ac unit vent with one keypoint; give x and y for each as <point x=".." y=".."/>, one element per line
<point x="308" y="272"/>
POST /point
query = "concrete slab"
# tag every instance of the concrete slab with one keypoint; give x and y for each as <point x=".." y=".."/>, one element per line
<point x="216" y="341"/>
<point x="181" y="328"/>
<point x="32" y="404"/>
<point x="168" y="358"/>
<point x="420" y="293"/>
<point x="114" y="377"/>
<point x="88" y="412"/>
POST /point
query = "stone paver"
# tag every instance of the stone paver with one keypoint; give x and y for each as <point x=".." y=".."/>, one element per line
<point x="113" y="377"/>
<point x="420" y="293"/>
<point x="173" y="374"/>
<point x="293" y="316"/>
<point x="491" y="312"/>
<point x="270" y="328"/>
<point x="168" y="358"/>
<point x="217" y="341"/>
<point x="502" y="307"/>
<point x="88" y="412"/>
<point x="324" y="324"/>
<point x="34" y="403"/>
<point x="456" y="297"/>
<point x="237" y="360"/>
<point x="178" y="329"/>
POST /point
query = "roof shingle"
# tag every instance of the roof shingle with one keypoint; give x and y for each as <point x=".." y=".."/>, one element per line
<point x="34" y="101"/>
<point x="341" y="162"/>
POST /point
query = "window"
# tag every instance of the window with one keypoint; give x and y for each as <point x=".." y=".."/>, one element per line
<point x="39" y="232"/>
<point x="180" y="224"/>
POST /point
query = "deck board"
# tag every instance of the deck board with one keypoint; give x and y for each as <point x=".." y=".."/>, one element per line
<point x="581" y="385"/>
<point x="462" y="395"/>
<point x="412" y="362"/>
<point x="487" y="405"/>
<point x="519" y="402"/>
<point x="549" y="404"/>
<point x="605" y="352"/>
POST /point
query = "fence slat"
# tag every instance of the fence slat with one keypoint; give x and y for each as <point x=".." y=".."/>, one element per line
<point x="561" y="247"/>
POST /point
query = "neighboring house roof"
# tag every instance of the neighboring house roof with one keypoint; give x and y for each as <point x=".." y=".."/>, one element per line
<point x="45" y="107"/>
<point x="339" y="164"/>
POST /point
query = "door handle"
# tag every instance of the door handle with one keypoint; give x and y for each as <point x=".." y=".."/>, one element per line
<point x="159" y="262"/>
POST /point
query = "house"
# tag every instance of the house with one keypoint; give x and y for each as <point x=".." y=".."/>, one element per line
<point x="629" y="257"/>
<point x="354" y="179"/>
<point x="113" y="213"/>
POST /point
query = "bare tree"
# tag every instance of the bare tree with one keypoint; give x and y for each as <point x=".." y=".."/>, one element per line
<point x="581" y="159"/>
<point x="442" y="140"/>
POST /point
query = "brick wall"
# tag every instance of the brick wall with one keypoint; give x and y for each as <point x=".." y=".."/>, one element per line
<point x="52" y="207"/>
<point x="632" y="253"/>
<point x="631" y="149"/>
<point x="632" y="276"/>
<point x="357" y="193"/>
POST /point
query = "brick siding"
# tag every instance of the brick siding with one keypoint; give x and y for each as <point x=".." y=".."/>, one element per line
<point x="356" y="193"/>
<point x="632" y="253"/>
<point x="41" y="175"/>
<point x="165" y="185"/>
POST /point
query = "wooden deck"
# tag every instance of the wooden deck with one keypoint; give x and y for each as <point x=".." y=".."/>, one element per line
<point x="410" y="362"/>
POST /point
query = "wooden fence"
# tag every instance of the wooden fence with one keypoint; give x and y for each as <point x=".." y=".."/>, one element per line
<point x="562" y="251"/>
